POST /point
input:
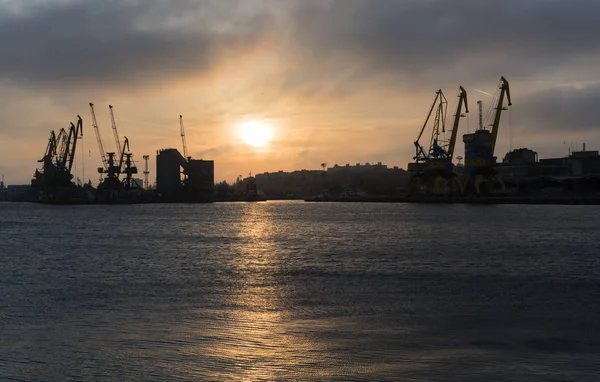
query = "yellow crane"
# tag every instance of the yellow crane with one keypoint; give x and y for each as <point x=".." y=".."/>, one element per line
<point x="183" y="141"/>
<point x="480" y="147"/>
<point x="433" y="169"/>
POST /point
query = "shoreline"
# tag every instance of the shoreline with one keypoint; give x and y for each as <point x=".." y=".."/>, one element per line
<point x="543" y="200"/>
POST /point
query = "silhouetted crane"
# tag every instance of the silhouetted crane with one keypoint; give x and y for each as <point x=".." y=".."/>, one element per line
<point x="185" y="151"/>
<point x="433" y="169"/>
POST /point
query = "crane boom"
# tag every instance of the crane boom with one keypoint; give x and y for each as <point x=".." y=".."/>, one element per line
<point x="61" y="147"/>
<point x="185" y="152"/>
<point x="50" y="148"/>
<point x="75" y="132"/>
<point x="462" y="98"/>
<point x="122" y="156"/>
<point x="504" y="90"/>
<point x="98" y="138"/>
<point x="114" y="127"/>
<point x="420" y="152"/>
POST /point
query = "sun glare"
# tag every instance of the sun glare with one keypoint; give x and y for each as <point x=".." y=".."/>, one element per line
<point x="256" y="134"/>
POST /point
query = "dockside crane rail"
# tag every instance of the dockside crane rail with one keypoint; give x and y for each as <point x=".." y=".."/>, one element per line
<point x="462" y="99"/>
<point x="183" y="141"/>
<point x="98" y="137"/>
<point x="504" y="91"/>
<point x="114" y="128"/>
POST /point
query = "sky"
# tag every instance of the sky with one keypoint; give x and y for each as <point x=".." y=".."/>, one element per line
<point x="340" y="81"/>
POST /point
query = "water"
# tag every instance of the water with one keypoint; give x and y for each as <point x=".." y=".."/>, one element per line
<point x="299" y="291"/>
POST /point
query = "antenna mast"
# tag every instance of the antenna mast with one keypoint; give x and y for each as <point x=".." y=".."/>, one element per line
<point x="480" y="105"/>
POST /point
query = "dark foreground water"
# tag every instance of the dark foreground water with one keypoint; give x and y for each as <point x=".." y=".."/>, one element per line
<point x="298" y="291"/>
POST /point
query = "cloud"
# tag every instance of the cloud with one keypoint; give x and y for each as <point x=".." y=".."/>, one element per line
<point x="345" y="80"/>
<point x="121" y="42"/>
<point x="448" y="41"/>
<point x="565" y="109"/>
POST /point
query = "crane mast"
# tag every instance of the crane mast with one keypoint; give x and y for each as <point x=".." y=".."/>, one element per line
<point x="504" y="90"/>
<point x="183" y="141"/>
<point x="114" y="127"/>
<point x="98" y="138"/>
<point x="462" y="98"/>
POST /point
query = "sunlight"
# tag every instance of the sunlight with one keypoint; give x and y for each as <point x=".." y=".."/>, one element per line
<point x="255" y="133"/>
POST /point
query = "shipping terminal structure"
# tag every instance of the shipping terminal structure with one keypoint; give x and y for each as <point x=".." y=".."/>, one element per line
<point x="179" y="178"/>
<point x="433" y="171"/>
<point x="431" y="177"/>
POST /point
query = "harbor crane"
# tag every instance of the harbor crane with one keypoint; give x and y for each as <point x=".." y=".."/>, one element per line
<point x="183" y="141"/>
<point x="433" y="169"/>
<point x="125" y="159"/>
<point x="99" y="141"/>
<point x="114" y="163"/>
<point x="481" y="145"/>
<point x="67" y="156"/>
<point x="55" y="176"/>
<point x="421" y="155"/>
<point x="504" y="91"/>
<point x="114" y="127"/>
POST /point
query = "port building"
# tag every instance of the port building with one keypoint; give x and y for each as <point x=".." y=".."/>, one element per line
<point x="184" y="179"/>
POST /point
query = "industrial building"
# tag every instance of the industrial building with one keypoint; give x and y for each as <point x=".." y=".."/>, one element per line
<point x="375" y="179"/>
<point x="578" y="163"/>
<point x="577" y="173"/>
<point x="478" y="150"/>
<point x="520" y="157"/>
<point x="183" y="179"/>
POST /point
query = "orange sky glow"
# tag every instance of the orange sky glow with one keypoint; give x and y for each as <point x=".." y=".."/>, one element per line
<point x="334" y="88"/>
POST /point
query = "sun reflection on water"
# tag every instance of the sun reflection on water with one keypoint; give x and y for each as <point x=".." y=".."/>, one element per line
<point x="263" y="343"/>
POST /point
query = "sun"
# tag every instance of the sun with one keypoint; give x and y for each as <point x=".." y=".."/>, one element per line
<point x="256" y="134"/>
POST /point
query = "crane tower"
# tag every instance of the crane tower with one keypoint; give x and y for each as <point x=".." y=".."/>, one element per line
<point x="146" y="171"/>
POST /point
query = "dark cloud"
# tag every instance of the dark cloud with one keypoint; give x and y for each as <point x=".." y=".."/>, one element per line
<point x="341" y="45"/>
<point x="567" y="109"/>
<point x="426" y="40"/>
<point x="120" y="42"/>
